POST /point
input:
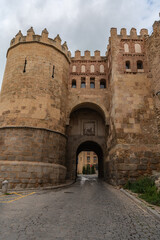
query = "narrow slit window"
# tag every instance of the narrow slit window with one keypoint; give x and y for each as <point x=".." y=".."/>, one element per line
<point x="25" y="63"/>
<point x="102" y="83"/>
<point x="83" y="82"/>
<point x="92" y="82"/>
<point x="139" y="65"/>
<point x="53" y="71"/>
<point x="128" y="65"/>
<point x="73" y="83"/>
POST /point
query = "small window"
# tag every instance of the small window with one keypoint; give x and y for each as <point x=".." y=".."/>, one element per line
<point x="101" y="68"/>
<point x="102" y="83"/>
<point x="92" y="82"/>
<point x="73" y="83"/>
<point x="92" y="68"/>
<point x="137" y="48"/>
<point x="83" y="68"/>
<point x="74" y="69"/>
<point x="128" y="65"/>
<point x="139" y="65"/>
<point x="83" y="82"/>
<point x="126" y="47"/>
<point x="95" y="159"/>
<point x="88" y="159"/>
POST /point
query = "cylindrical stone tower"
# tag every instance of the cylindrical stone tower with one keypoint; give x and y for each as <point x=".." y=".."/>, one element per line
<point x="32" y="111"/>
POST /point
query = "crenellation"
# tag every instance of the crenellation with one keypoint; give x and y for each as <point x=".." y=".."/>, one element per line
<point x="133" y="33"/>
<point x="156" y="28"/>
<point x="123" y="32"/>
<point x="113" y="32"/>
<point x="45" y="35"/>
<point x="97" y="53"/>
<point x="87" y="54"/>
<point x="43" y="38"/>
<point x="58" y="40"/>
<point x="143" y="32"/>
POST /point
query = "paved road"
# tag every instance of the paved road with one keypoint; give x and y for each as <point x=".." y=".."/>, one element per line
<point x="89" y="209"/>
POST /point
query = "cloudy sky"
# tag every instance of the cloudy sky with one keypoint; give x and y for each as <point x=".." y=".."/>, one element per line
<point x="84" y="24"/>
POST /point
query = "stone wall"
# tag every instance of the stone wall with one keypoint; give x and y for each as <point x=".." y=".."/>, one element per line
<point x="31" y="174"/>
<point x="153" y="53"/>
<point x="31" y="94"/>
<point x="133" y="143"/>
<point x="33" y="109"/>
<point x="32" y="157"/>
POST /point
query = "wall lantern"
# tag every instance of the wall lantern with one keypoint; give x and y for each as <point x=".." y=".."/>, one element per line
<point x="158" y="94"/>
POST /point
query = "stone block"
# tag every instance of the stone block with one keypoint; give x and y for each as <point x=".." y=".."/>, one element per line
<point x="142" y="167"/>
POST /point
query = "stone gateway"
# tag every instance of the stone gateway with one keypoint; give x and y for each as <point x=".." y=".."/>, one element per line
<point x="53" y="106"/>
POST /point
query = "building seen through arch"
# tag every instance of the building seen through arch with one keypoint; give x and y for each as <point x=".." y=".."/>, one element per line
<point x="53" y="106"/>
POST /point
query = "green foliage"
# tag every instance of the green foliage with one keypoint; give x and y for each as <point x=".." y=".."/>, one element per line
<point x="93" y="170"/>
<point x="84" y="170"/>
<point x="146" y="189"/>
<point x="88" y="169"/>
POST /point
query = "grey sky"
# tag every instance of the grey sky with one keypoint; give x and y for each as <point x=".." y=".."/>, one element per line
<point x="84" y="24"/>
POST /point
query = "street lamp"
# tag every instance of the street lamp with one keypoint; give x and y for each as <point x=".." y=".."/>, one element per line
<point x="158" y="94"/>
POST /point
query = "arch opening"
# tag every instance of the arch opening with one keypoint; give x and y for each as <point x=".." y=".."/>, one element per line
<point x="87" y="132"/>
<point x="86" y="150"/>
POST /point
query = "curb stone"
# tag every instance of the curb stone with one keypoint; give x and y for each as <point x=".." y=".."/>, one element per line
<point x="142" y="204"/>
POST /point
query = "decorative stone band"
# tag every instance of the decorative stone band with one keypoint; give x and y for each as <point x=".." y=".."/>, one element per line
<point x="31" y="174"/>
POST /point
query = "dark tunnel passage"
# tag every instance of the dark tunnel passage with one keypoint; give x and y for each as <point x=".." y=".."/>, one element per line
<point x="94" y="147"/>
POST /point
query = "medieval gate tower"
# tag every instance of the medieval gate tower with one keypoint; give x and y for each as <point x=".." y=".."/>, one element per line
<point x="53" y="106"/>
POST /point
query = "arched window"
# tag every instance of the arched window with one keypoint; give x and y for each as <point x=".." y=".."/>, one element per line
<point x="137" y="48"/>
<point x="73" y="83"/>
<point x="139" y="64"/>
<point x="83" y="82"/>
<point x="102" y="83"/>
<point x="101" y="68"/>
<point x="74" y="68"/>
<point x="126" y="47"/>
<point x="128" y="65"/>
<point x="92" y="82"/>
<point x="92" y="68"/>
<point x="83" y="68"/>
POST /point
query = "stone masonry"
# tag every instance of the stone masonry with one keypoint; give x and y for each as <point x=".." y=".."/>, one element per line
<point x="53" y="105"/>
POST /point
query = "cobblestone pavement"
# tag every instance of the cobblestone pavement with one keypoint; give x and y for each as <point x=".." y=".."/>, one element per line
<point x="89" y="209"/>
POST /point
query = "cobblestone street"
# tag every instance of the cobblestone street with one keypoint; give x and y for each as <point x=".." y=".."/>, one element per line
<point x="89" y="209"/>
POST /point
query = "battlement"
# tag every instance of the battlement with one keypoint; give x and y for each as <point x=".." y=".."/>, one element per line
<point x="156" y="28"/>
<point x="87" y="55"/>
<point x="43" y="38"/>
<point x="132" y="35"/>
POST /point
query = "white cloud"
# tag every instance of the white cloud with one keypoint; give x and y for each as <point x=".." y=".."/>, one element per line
<point x="84" y="24"/>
